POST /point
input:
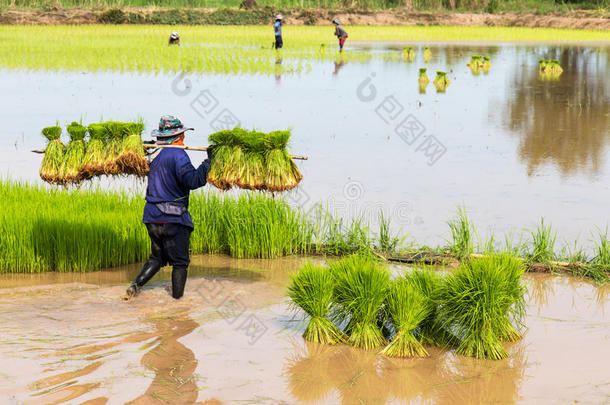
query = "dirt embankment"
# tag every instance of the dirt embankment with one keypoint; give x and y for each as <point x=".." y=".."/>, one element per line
<point x="575" y="20"/>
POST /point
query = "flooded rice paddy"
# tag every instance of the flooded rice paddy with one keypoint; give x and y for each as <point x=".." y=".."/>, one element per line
<point x="509" y="146"/>
<point x="70" y="339"/>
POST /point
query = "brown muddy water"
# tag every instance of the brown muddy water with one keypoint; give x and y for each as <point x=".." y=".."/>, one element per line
<point x="70" y="339"/>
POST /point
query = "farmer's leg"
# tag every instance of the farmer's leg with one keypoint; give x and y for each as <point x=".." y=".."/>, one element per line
<point x="177" y="247"/>
<point x="155" y="261"/>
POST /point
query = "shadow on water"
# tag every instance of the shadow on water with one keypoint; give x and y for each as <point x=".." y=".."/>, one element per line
<point x="565" y="122"/>
<point x="318" y="373"/>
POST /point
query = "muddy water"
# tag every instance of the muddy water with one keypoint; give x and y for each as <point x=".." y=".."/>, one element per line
<point x="517" y="148"/>
<point x="232" y="339"/>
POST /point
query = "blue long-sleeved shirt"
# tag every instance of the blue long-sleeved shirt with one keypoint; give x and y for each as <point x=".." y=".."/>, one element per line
<point x="170" y="179"/>
<point x="277" y="28"/>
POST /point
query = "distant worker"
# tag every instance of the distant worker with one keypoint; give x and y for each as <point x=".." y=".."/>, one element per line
<point x="174" y="38"/>
<point x="166" y="214"/>
<point x="340" y="33"/>
<point x="277" y="29"/>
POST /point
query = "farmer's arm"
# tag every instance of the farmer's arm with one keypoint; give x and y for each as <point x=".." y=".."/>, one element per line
<point x="188" y="175"/>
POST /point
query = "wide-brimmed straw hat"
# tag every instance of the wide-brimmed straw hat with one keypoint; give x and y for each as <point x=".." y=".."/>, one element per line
<point x="169" y="126"/>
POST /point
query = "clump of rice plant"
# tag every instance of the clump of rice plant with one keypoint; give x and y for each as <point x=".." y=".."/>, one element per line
<point x="221" y="142"/>
<point x="53" y="156"/>
<point x="549" y="69"/>
<point x="479" y="301"/>
<point x="311" y="289"/>
<point x="441" y="81"/>
<point x="116" y="132"/>
<point x="427" y="54"/>
<point x="93" y="162"/>
<point x="462" y="234"/>
<point x="486" y="64"/>
<point x="408" y="54"/>
<point x="252" y="177"/>
<point x="361" y="289"/>
<point x="423" y="79"/>
<point x="282" y="173"/>
<point x="407" y="307"/>
<point x="430" y="330"/>
<point x="132" y="158"/>
<point x="75" y="153"/>
<point x="543" y="244"/>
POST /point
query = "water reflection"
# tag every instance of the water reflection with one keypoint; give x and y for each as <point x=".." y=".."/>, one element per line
<point x="565" y="123"/>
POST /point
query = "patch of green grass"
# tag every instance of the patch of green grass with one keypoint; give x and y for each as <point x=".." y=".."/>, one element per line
<point x="462" y="234"/>
<point x="543" y="244"/>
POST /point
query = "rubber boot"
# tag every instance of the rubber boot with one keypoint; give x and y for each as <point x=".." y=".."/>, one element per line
<point x="148" y="271"/>
<point x="178" y="281"/>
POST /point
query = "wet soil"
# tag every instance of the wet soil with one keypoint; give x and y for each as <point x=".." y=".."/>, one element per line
<point x="233" y="338"/>
<point x="576" y="20"/>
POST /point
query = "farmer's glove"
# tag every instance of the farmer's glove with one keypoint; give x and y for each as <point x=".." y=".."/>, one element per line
<point x="211" y="151"/>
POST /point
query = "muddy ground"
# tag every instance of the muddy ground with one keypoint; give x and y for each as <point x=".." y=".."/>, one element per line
<point x="576" y="19"/>
<point x="233" y="339"/>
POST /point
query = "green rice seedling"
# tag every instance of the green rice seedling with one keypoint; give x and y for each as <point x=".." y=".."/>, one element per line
<point x="462" y="238"/>
<point x="311" y="290"/>
<point x="423" y="80"/>
<point x="386" y="242"/>
<point x="282" y="173"/>
<point x="116" y="132"/>
<point x="360" y="292"/>
<point x="486" y="64"/>
<point x="407" y="307"/>
<point x="408" y="54"/>
<point x="543" y="244"/>
<point x="478" y="303"/>
<point x="441" y="81"/>
<point x="53" y="155"/>
<point x="427" y="54"/>
<point x="132" y="158"/>
<point x="221" y="142"/>
<point x="549" y="69"/>
<point x="93" y="162"/>
<point x="602" y="249"/>
<point x="75" y="153"/>
<point x="253" y="175"/>
<point x="430" y="330"/>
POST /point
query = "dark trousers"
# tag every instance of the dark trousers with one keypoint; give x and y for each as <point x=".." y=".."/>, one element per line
<point x="169" y="244"/>
<point x="278" y="42"/>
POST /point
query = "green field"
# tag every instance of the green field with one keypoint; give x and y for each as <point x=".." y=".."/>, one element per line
<point x="226" y="49"/>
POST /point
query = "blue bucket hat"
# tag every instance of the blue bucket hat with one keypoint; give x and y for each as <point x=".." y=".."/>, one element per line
<point x="169" y="126"/>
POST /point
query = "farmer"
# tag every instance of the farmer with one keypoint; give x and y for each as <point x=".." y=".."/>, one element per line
<point x="166" y="214"/>
<point x="277" y="29"/>
<point x="340" y="33"/>
<point x="174" y="38"/>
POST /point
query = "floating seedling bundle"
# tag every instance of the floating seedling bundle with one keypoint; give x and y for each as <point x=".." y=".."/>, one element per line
<point x="54" y="156"/>
<point x="479" y="63"/>
<point x="408" y="54"/>
<point x="423" y="80"/>
<point x="427" y="54"/>
<point x="113" y="148"/>
<point x="252" y="160"/>
<point x="472" y="310"/>
<point x="441" y="81"/>
<point x="75" y="153"/>
<point x="549" y="69"/>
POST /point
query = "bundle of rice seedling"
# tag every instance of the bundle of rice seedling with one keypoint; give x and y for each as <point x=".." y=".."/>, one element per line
<point x="427" y="54"/>
<point x="549" y="69"/>
<point x="478" y="303"/>
<point x="281" y="174"/>
<point x="253" y="174"/>
<point x="423" y="80"/>
<point x="360" y="292"/>
<point x="407" y="307"/>
<point x="441" y="81"/>
<point x="221" y="142"/>
<point x="53" y="155"/>
<point x="93" y="162"/>
<point x="116" y="132"/>
<point x="486" y="64"/>
<point x="311" y="289"/>
<point x="132" y="159"/>
<point x="408" y="54"/>
<point x="75" y="153"/>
